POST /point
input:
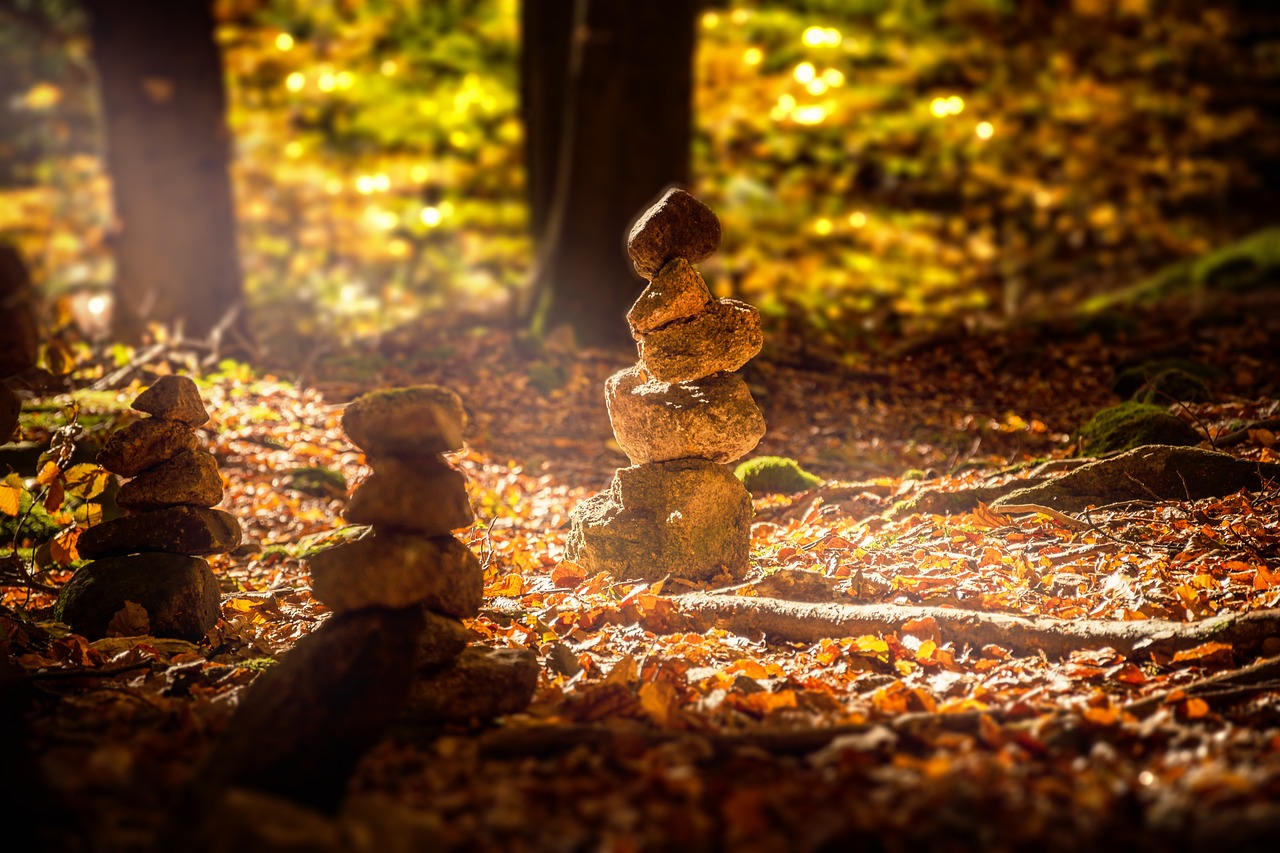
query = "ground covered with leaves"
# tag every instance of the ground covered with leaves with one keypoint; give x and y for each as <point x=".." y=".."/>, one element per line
<point x="653" y="728"/>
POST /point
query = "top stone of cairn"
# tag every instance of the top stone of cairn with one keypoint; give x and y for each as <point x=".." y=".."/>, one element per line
<point x="174" y="398"/>
<point x="677" y="226"/>
<point x="411" y="421"/>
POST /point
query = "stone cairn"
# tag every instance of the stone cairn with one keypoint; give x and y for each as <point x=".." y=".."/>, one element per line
<point x="679" y="414"/>
<point x="19" y="335"/>
<point x="395" y="647"/>
<point x="152" y="556"/>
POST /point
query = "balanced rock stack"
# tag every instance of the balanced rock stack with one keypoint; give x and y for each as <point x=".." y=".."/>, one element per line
<point x="679" y="414"/>
<point x="19" y="335"/>
<point x="152" y="556"/>
<point x="413" y="500"/>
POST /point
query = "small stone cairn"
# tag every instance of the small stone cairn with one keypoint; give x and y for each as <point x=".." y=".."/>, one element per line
<point x="413" y="500"/>
<point x="679" y="414"/>
<point x="152" y="556"/>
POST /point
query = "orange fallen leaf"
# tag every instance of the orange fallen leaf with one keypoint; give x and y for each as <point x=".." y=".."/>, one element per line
<point x="1206" y="653"/>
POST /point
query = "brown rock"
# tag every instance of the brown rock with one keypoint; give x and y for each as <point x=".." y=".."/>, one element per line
<point x="413" y="421"/>
<point x="192" y="530"/>
<point x="425" y="495"/>
<point x="677" y="292"/>
<point x="144" y="444"/>
<point x="179" y="593"/>
<point x="712" y="418"/>
<point x="19" y="332"/>
<point x="10" y="411"/>
<point x="399" y="570"/>
<point x="480" y="685"/>
<point x="724" y="337"/>
<point x="677" y="226"/>
<point x="443" y="639"/>
<point x="174" y="398"/>
<point x="689" y="518"/>
<point x="190" y="478"/>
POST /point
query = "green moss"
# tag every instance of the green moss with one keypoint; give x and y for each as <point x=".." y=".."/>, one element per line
<point x="315" y="480"/>
<point x="766" y="475"/>
<point x="1130" y="379"/>
<point x="1131" y="425"/>
<point x="37" y="525"/>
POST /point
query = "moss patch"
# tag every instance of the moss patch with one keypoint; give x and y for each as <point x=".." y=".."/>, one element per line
<point x="1173" y="385"/>
<point x="1130" y="379"/>
<point x="768" y="475"/>
<point x="1131" y="425"/>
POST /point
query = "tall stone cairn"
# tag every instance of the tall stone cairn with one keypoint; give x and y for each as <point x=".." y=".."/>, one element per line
<point x="680" y="414"/>
<point x="152" y="555"/>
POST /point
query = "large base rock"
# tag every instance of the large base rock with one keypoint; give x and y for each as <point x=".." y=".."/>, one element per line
<point x="689" y="518"/>
<point x="712" y="418"/>
<point x="192" y="530"/>
<point x="481" y="684"/>
<point x="724" y="337"/>
<point x="399" y="570"/>
<point x="180" y="595"/>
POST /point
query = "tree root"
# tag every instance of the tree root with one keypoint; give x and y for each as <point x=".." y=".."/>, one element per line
<point x="803" y="622"/>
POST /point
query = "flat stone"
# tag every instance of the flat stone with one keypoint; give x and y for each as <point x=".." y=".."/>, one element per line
<point x="174" y="398"/>
<point x="414" y="421"/>
<point x="689" y="518"/>
<point x="480" y="685"/>
<point x="190" y="478"/>
<point x="723" y="338"/>
<point x="145" y="444"/>
<point x="711" y="418"/>
<point x="179" y="593"/>
<point x="443" y="638"/>
<point x="399" y="570"/>
<point x="192" y="530"/>
<point x="10" y="411"/>
<point x="677" y="292"/>
<point x="677" y="226"/>
<point x="425" y="495"/>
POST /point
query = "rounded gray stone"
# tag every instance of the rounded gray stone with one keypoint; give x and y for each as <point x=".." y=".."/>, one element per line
<point x="677" y="292"/>
<point x="419" y="420"/>
<point x="190" y="478"/>
<point x="424" y="495"/>
<point x="144" y="444"/>
<point x="192" y="530"/>
<point x="711" y="418"/>
<point x="174" y="398"/>
<point x="676" y="226"/>
<point x="723" y="338"/>
<point x="180" y="595"/>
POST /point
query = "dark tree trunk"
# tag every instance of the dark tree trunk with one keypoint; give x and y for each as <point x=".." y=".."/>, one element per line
<point x="607" y="130"/>
<point x="164" y="103"/>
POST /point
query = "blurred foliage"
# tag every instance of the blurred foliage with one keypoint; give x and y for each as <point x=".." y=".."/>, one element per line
<point x="894" y="160"/>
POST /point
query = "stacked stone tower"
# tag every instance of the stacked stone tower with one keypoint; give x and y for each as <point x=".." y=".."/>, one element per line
<point x="679" y="414"/>
<point x="152" y="556"/>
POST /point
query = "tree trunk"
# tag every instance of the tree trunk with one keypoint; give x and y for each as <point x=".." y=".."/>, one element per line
<point x="607" y="89"/>
<point x="168" y="153"/>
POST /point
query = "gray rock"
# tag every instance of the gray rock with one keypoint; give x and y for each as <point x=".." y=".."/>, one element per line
<point x="173" y="398"/>
<point x="480" y="685"/>
<point x="399" y="570"/>
<point x="145" y="444"/>
<point x="190" y="478"/>
<point x="676" y="226"/>
<point x="689" y="518"/>
<point x="712" y="418"/>
<point x="414" y="421"/>
<point x="192" y="530"/>
<point x="179" y="593"/>
<point x="443" y="638"/>
<point x="724" y="337"/>
<point x="425" y="495"/>
<point x="677" y="292"/>
<point x="10" y="410"/>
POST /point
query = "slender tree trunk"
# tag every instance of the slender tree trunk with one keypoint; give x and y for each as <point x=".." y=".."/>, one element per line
<point x="607" y="88"/>
<point x="168" y="154"/>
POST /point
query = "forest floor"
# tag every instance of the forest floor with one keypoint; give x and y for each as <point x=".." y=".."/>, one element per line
<point x="652" y="731"/>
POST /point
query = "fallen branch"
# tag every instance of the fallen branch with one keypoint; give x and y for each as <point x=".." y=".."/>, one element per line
<point x="1241" y="435"/>
<point x="1068" y="521"/>
<point x="803" y="622"/>
<point x="1240" y="683"/>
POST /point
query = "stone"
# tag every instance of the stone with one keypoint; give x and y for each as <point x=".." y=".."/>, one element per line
<point x="676" y="226"/>
<point x="414" y="421"/>
<point x="179" y="593"/>
<point x="192" y="530"/>
<point x="190" y="478"/>
<point x="1134" y="424"/>
<point x="677" y="292"/>
<point x="480" y="685"/>
<point x="442" y="639"/>
<point x="145" y="444"/>
<point x="425" y="495"/>
<point x="1173" y="385"/>
<point x="19" y="331"/>
<point x="10" y="412"/>
<point x="724" y="337"/>
<point x="399" y="570"/>
<point x="712" y="418"/>
<point x="173" y="398"/>
<point x="690" y="518"/>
